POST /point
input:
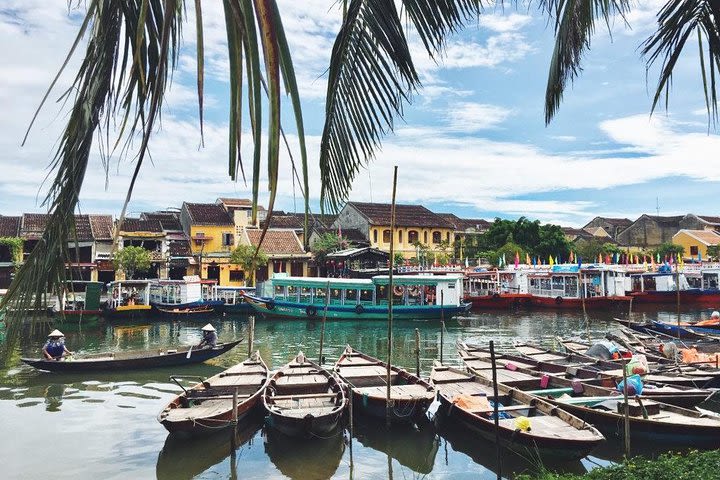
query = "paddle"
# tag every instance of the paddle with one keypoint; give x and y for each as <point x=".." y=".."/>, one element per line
<point x="189" y="352"/>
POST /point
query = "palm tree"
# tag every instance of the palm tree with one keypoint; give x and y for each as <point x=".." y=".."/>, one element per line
<point x="133" y="46"/>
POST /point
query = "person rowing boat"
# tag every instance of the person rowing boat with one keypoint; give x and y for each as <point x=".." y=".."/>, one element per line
<point x="55" y="348"/>
<point x="209" y="337"/>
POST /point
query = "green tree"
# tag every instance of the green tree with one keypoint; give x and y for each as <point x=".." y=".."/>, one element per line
<point x="328" y="243"/>
<point x="133" y="46"/>
<point x="398" y="259"/>
<point x="713" y="252"/>
<point x="509" y="250"/>
<point x="669" y="249"/>
<point x="249" y="259"/>
<point x="132" y="260"/>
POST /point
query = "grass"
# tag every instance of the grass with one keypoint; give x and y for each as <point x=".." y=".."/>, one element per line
<point x="695" y="465"/>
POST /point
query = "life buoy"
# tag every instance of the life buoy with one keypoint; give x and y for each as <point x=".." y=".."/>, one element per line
<point x="398" y="290"/>
<point x="429" y="295"/>
<point x="270" y="305"/>
<point x="558" y="300"/>
<point x="359" y="309"/>
<point x="414" y="291"/>
<point x="311" y="311"/>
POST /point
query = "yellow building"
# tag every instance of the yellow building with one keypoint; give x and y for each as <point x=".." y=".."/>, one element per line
<point x="212" y="239"/>
<point x="696" y="242"/>
<point x="415" y="226"/>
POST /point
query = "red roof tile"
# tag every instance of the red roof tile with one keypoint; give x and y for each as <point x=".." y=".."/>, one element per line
<point x="101" y="226"/>
<point x="33" y="225"/>
<point x="405" y="215"/>
<point x="207" y="214"/>
<point x="137" y="225"/>
<point x="276" y="242"/>
<point x="9" y="226"/>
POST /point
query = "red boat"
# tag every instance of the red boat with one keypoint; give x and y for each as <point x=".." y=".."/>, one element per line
<point x="570" y="287"/>
<point x="494" y="290"/>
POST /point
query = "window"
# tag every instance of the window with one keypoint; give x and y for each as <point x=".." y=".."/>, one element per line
<point x="227" y="239"/>
<point x="237" y="275"/>
<point x="400" y="235"/>
<point x="447" y="237"/>
<point x="693" y="250"/>
<point x="413" y="236"/>
<point x="278" y="266"/>
<point x="425" y="237"/>
<point x="437" y="237"/>
<point x="386" y="236"/>
<point x="366" y="296"/>
<point x="351" y="296"/>
<point x="375" y="236"/>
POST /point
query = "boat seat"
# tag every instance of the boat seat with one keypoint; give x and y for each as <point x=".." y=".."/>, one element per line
<point x="550" y="391"/>
<point x="510" y="408"/>
<point x="307" y="395"/>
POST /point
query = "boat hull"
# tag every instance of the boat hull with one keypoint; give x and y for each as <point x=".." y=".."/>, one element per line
<point x="205" y="426"/>
<point x="709" y="298"/>
<point x="499" y="300"/>
<point x="164" y="359"/>
<point x="591" y="303"/>
<point x="128" y="311"/>
<point x="402" y="411"/>
<point x="78" y="316"/>
<point x="307" y="427"/>
<point x="238" y="308"/>
<point x="299" y="311"/>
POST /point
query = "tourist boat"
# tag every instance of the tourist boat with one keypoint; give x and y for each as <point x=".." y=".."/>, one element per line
<point x="572" y="287"/>
<point x="647" y="328"/>
<point x="494" y="290"/>
<point x="181" y="296"/>
<point x="564" y="373"/>
<point x="233" y="299"/>
<point x="366" y="376"/>
<point x="527" y="423"/>
<point x="129" y="298"/>
<point x="302" y="399"/>
<point x="208" y="406"/>
<point x="650" y="420"/>
<point x="414" y="297"/>
<point x="79" y="301"/>
<point x="662" y="288"/>
<point x="131" y="359"/>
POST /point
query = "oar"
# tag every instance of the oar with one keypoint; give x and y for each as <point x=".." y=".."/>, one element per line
<point x="189" y="352"/>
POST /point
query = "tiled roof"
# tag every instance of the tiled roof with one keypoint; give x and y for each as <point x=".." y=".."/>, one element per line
<point x="179" y="248"/>
<point x="295" y="222"/>
<point x="9" y="226"/>
<point x="709" y="219"/>
<point x="673" y="220"/>
<point x="207" y="214"/>
<point x="33" y="225"/>
<point x="405" y="215"/>
<point x="235" y="202"/>
<point x="463" y="224"/>
<point x="138" y="225"/>
<point x="276" y="242"/>
<point x="352" y="234"/>
<point x="616" y="222"/>
<point x="102" y="227"/>
<point x="169" y="221"/>
<point x="708" y="237"/>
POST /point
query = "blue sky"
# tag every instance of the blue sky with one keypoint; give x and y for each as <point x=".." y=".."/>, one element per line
<point x="473" y="141"/>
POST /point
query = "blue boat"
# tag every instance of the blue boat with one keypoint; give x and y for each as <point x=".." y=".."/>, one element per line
<point x="414" y="297"/>
<point x="233" y="299"/>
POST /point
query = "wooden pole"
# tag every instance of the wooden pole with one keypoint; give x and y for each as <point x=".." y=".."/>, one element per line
<point x="442" y="325"/>
<point x="417" y="352"/>
<point x="350" y="414"/>
<point x="251" y="334"/>
<point x="626" y="414"/>
<point x="584" y="294"/>
<point x="388" y="403"/>
<point x="677" y="287"/>
<point x="235" y="412"/>
<point x="498" y="450"/>
<point x="322" y="328"/>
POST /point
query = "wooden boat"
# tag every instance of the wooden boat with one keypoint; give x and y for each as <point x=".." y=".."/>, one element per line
<point x="559" y="376"/>
<point x="553" y="432"/>
<point x="663" y="374"/>
<point x="414" y="297"/>
<point x="131" y="359"/>
<point x="79" y="301"/>
<point x="650" y="329"/>
<point x="649" y="420"/>
<point x="200" y="310"/>
<point x="366" y="376"/>
<point x="177" y="296"/>
<point x="208" y="406"/>
<point x="303" y="399"/>
<point x="129" y="298"/>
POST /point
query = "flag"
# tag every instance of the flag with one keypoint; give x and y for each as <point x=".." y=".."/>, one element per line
<point x="600" y="259"/>
<point x="534" y="261"/>
<point x="608" y="260"/>
<point x="500" y="264"/>
<point x="579" y="260"/>
<point x="504" y="260"/>
<point x="699" y="257"/>
<point x="517" y="259"/>
<point x="435" y="263"/>
<point x="551" y="262"/>
<point x="572" y="257"/>
<point x="527" y="259"/>
<point x="658" y="257"/>
<point x="339" y="232"/>
<point x="467" y="263"/>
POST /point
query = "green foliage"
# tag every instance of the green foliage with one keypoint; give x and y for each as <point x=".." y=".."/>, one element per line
<point x="398" y="259"/>
<point x="509" y="250"/>
<point x="15" y="245"/>
<point x="132" y="260"/>
<point x="249" y="259"/>
<point x="669" y="248"/>
<point x="328" y="243"/>
<point x="588" y="250"/>
<point x="713" y="252"/>
<point x="531" y="237"/>
<point x="668" y="466"/>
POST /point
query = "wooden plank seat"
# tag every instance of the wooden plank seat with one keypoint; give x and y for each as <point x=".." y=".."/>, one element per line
<point x="358" y="363"/>
<point x="303" y="412"/>
<point x="208" y="408"/>
<point x="397" y="392"/>
<point x="551" y="391"/>
<point x="230" y="381"/>
<point x="217" y="397"/>
<point x="510" y="408"/>
<point x="307" y="395"/>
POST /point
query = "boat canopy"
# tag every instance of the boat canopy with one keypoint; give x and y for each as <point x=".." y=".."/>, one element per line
<point x="321" y="282"/>
<point x="416" y="279"/>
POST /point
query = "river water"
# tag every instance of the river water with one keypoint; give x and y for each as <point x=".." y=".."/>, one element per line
<point x="104" y="425"/>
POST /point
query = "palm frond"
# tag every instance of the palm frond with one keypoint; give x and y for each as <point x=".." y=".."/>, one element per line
<point x="574" y="26"/>
<point x="677" y="22"/>
<point x="435" y="20"/>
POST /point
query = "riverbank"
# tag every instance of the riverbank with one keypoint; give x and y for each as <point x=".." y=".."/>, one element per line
<point x="670" y="466"/>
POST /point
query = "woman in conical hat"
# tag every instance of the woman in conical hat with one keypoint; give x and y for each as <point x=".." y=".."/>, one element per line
<point x="209" y="336"/>
<point x="55" y="348"/>
<point x="208" y="328"/>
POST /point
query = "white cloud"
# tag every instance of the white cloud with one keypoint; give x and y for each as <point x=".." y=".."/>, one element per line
<point x="499" y="22"/>
<point x="471" y="117"/>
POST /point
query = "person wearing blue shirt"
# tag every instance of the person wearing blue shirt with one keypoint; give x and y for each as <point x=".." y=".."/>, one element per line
<point x="55" y="348"/>
<point x="209" y="337"/>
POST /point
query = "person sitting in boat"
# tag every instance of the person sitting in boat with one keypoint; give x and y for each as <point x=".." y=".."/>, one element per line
<point x="209" y="337"/>
<point x="55" y="348"/>
<point x="715" y="315"/>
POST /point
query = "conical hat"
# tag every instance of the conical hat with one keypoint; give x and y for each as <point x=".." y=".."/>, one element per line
<point x="56" y="333"/>
<point x="208" y="328"/>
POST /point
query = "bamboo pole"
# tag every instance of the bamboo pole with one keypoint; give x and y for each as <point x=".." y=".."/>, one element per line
<point x="677" y="288"/>
<point x="417" y="352"/>
<point x="322" y="328"/>
<point x="626" y="415"/>
<point x="442" y="325"/>
<point x="251" y="334"/>
<point x="389" y="406"/>
<point x="350" y="414"/>
<point x="498" y="450"/>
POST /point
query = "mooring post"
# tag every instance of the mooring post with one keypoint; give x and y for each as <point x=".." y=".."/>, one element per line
<point x="322" y="328"/>
<point x="417" y="352"/>
<point x="235" y="412"/>
<point x="251" y="334"/>
<point x="350" y="414"/>
<point x="627" y="410"/>
<point x="388" y="399"/>
<point x="498" y="450"/>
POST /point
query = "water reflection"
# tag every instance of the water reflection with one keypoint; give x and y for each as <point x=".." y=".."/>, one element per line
<point x="300" y="459"/>
<point x="185" y="458"/>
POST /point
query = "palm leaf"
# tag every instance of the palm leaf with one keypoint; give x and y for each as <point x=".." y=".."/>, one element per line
<point x="574" y="26"/>
<point x="677" y="21"/>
